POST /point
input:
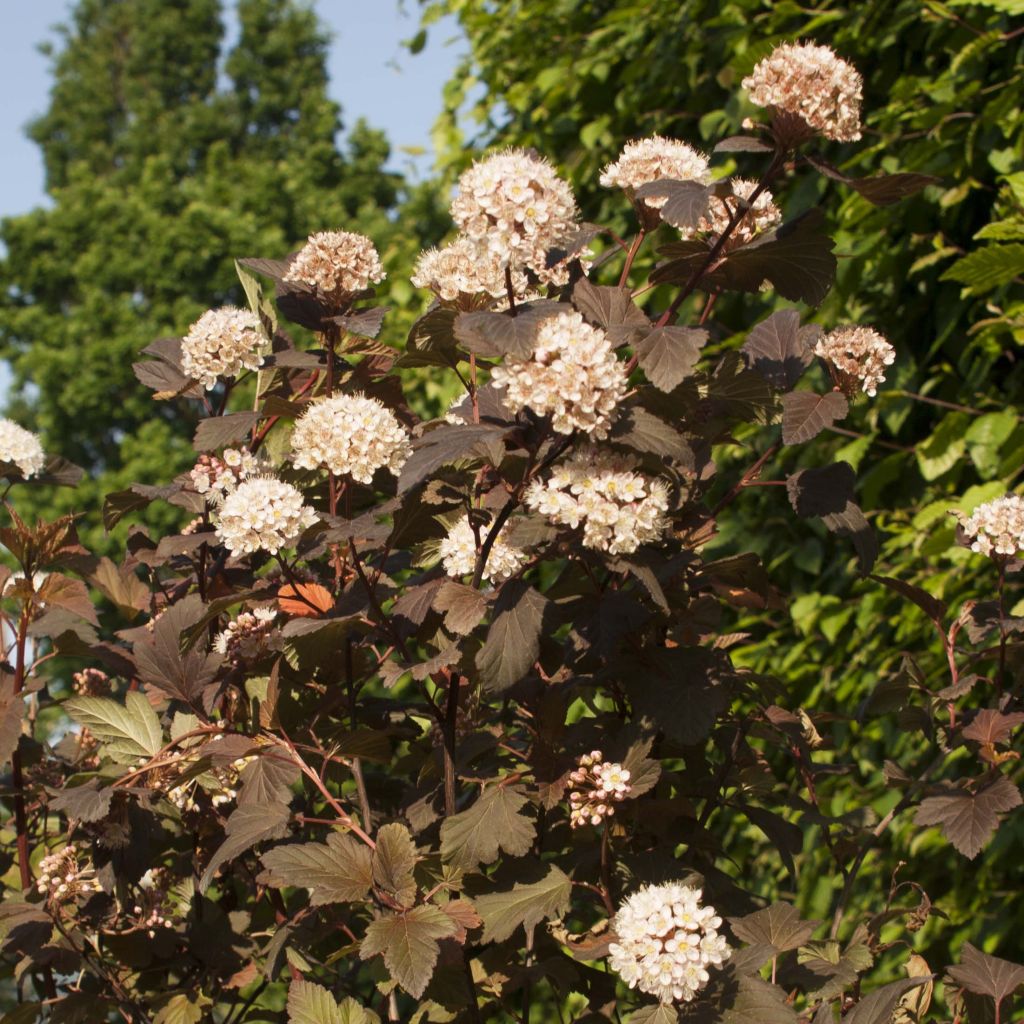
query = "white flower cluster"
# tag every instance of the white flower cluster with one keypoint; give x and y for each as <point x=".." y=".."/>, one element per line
<point x="761" y="216"/>
<point x="153" y="912"/>
<point x="339" y="264"/>
<point x="262" y="513"/>
<point x="458" y="554"/>
<point x="858" y="357"/>
<point x="350" y="435"/>
<point x="21" y="447"/>
<point x="594" y="786"/>
<point x="245" y="637"/>
<point x="219" y="786"/>
<point x="666" y="941"/>
<point x="62" y="877"/>
<point x="90" y="682"/>
<point x="654" y="159"/>
<point x="997" y="527"/>
<point x="514" y="206"/>
<point x="222" y="343"/>
<point x="218" y="477"/>
<point x="573" y="376"/>
<point x="618" y="508"/>
<point x="810" y="83"/>
<point x="462" y="272"/>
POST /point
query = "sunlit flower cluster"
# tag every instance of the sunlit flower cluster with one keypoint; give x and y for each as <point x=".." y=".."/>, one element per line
<point x="618" y="508"/>
<point x="245" y="637"/>
<point x="516" y="207"/>
<point x="263" y="513"/>
<point x="90" y="682"/>
<point x="573" y="376"/>
<point x="350" y="435"/>
<point x="857" y="357"/>
<point x="21" y="447"/>
<point x="654" y="159"/>
<point x="810" y="83"/>
<point x="217" y="477"/>
<point x="63" y="876"/>
<point x="666" y="941"/>
<point x="760" y="216"/>
<point x="153" y="911"/>
<point x="997" y="527"/>
<point x="594" y="787"/>
<point x="459" y="553"/>
<point x="464" y="273"/>
<point x="339" y="264"/>
<point x="222" y="343"/>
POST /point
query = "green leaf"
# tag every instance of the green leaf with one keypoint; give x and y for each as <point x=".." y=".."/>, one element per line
<point x="408" y="943"/>
<point x="495" y="822"/>
<point x="526" y="904"/>
<point x="128" y="732"/>
<point x="779" y="925"/>
<point x="986" y="269"/>
<point x="805" y="414"/>
<point x="668" y="355"/>
<point x="513" y="641"/>
<point x="184" y="1008"/>
<point x="309" y="1003"/>
<point x="945" y="448"/>
<point x="968" y="820"/>
<point x="393" y="862"/>
<point x="337" y="871"/>
<point x="986" y="975"/>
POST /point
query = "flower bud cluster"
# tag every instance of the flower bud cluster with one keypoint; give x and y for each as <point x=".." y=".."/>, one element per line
<point x="618" y="508"/>
<point x="514" y="206"/>
<point x="222" y="343"/>
<point x="997" y="527"/>
<point x="812" y="84"/>
<point x="63" y="877"/>
<point x="666" y="941"/>
<point x="594" y="787"/>
<point x="219" y="476"/>
<point x="263" y="514"/>
<point x="21" y="447"/>
<point x="857" y="357"/>
<point x="339" y="264"/>
<point x="459" y="553"/>
<point x="462" y="273"/>
<point x="245" y="638"/>
<point x="350" y="435"/>
<point x="573" y="376"/>
<point x="90" y="682"/>
<point x="654" y="159"/>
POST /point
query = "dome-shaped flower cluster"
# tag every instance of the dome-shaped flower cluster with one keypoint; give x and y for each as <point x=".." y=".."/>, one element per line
<point x="458" y="553"/>
<point x="217" y="477"/>
<point x="618" y="508"/>
<point x="62" y="876"/>
<point x="761" y="216"/>
<point x="810" y="83"/>
<point x="654" y="159"/>
<point x="90" y="682"/>
<point x="666" y="941"/>
<point x="263" y="513"/>
<point x="339" y="264"/>
<point x="245" y="637"/>
<point x="222" y="343"/>
<point x="350" y="435"/>
<point x="997" y="527"/>
<point x="516" y="207"/>
<point x="573" y="376"/>
<point x="21" y="447"/>
<point x="593" y="787"/>
<point x="462" y="272"/>
<point x="857" y="357"/>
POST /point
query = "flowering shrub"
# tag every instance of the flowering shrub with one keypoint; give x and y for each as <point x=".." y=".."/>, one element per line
<point x="442" y="719"/>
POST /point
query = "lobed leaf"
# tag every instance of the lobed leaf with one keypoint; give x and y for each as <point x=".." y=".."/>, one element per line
<point x="494" y="823"/>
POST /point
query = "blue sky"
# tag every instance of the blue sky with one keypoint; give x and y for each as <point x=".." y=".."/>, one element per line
<point x="372" y="75"/>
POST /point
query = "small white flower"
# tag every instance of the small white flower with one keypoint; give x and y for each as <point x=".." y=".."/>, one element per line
<point x="810" y="83"/>
<point x="350" y="435"/>
<point x="996" y="527"/>
<point x="263" y="513"/>
<point x="21" y="447"/>
<point x="222" y="343"/>
<point x="463" y="272"/>
<point x="593" y="787"/>
<point x="458" y="554"/>
<point x="858" y="355"/>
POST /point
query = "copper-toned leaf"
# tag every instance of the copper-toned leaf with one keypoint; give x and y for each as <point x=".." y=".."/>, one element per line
<point x="297" y="602"/>
<point x="968" y="820"/>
